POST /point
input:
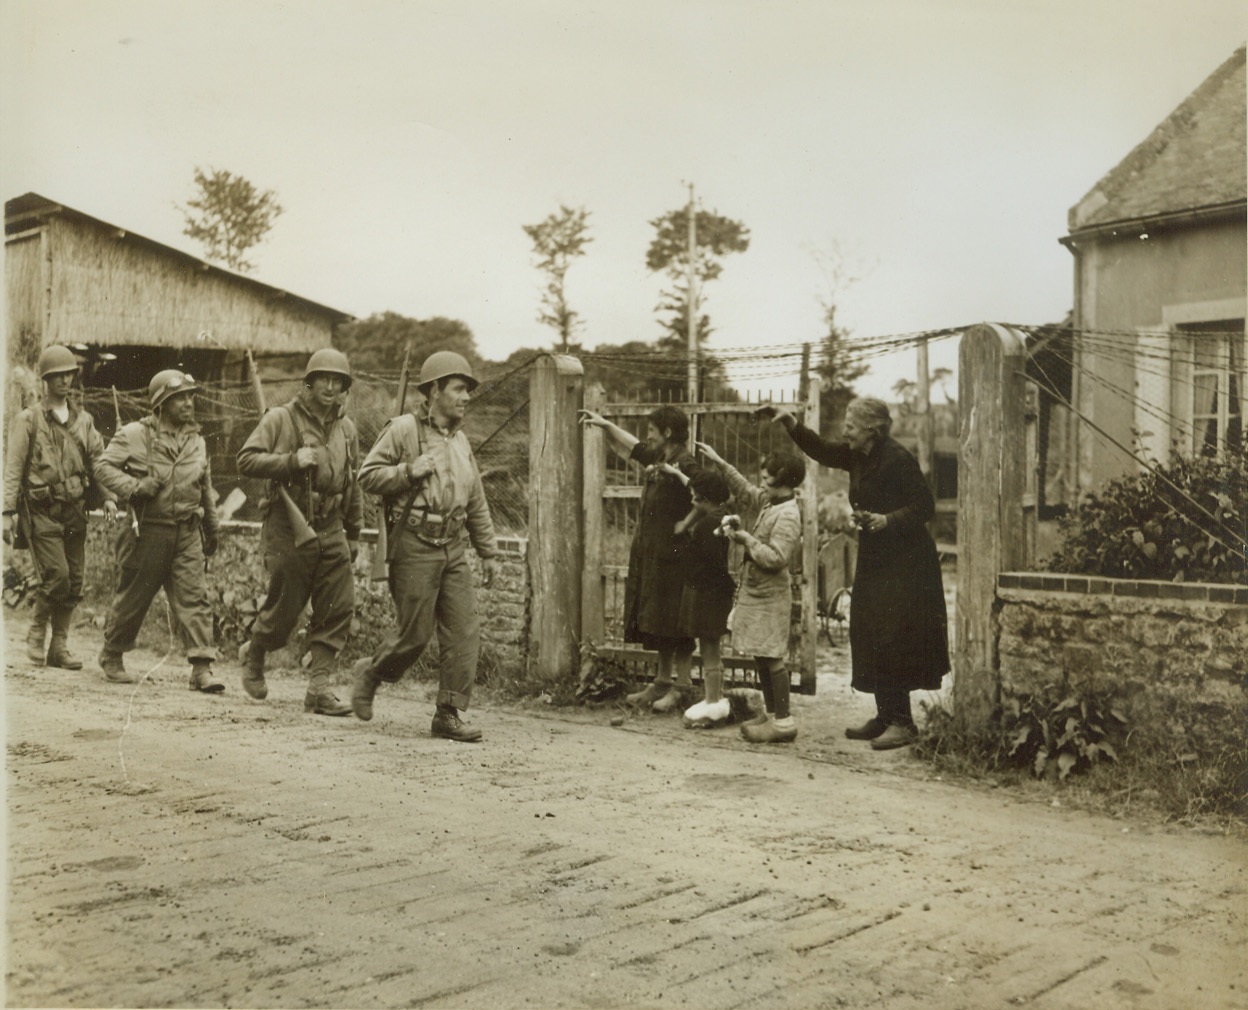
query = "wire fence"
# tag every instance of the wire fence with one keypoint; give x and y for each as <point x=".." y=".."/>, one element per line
<point x="1180" y="391"/>
<point x="497" y="426"/>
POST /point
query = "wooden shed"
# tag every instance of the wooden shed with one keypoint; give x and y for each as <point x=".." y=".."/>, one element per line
<point x="131" y="306"/>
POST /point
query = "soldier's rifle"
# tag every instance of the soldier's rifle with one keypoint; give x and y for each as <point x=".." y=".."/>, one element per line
<point x="134" y="512"/>
<point x="304" y="533"/>
<point x="381" y="554"/>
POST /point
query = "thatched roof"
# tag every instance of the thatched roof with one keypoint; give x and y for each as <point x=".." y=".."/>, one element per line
<point x="26" y="213"/>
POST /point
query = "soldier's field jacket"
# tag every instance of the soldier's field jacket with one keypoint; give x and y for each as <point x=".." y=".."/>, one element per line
<point x="177" y="457"/>
<point x="61" y="456"/>
<point x="269" y="452"/>
<point x="455" y="482"/>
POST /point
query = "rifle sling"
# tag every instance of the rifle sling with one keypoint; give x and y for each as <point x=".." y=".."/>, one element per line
<point x="407" y="505"/>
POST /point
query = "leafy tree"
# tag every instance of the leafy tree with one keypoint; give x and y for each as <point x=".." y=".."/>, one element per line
<point x="716" y="237"/>
<point x="942" y="377"/>
<point x="377" y="344"/>
<point x="558" y="240"/>
<point x="907" y="393"/>
<point x="229" y="216"/>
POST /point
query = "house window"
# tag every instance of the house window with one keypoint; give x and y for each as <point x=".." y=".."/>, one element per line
<point x="1216" y="401"/>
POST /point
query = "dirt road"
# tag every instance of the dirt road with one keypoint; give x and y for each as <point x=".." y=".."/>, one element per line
<point x="172" y="849"/>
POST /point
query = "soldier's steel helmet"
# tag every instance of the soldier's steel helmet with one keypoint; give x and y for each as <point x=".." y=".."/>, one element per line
<point x="56" y="359"/>
<point x="327" y="359"/>
<point x="444" y="364"/>
<point x="166" y="383"/>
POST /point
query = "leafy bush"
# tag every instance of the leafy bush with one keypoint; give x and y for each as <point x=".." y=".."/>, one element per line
<point x="1046" y="734"/>
<point x="1069" y="736"/>
<point x="1185" y="521"/>
<point x="603" y="678"/>
<point x="1059" y="740"/>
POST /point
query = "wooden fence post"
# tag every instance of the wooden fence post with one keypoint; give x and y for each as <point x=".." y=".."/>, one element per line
<point x="993" y="531"/>
<point x="810" y="545"/>
<point x="556" y="390"/>
<point x="593" y="623"/>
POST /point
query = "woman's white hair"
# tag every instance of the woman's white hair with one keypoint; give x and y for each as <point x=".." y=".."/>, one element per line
<point x="872" y="413"/>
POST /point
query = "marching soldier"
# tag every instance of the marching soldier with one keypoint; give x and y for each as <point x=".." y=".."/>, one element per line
<point x="48" y="467"/>
<point x="423" y="468"/>
<point x="310" y="450"/>
<point x="159" y="464"/>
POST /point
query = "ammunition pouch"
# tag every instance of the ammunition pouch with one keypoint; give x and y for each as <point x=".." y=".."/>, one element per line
<point x="433" y="528"/>
<point x="325" y="508"/>
<point x="71" y="489"/>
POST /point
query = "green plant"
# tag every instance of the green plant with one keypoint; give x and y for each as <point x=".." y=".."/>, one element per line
<point x="234" y="613"/>
<point x="603" y="678"/>
<point x="1182" y="521"/>
<point x="1058" y="738"/>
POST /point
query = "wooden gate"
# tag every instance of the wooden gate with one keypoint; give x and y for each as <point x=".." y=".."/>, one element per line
<point x="612" y="499"/>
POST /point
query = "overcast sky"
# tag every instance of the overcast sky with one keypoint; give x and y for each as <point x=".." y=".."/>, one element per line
<point x="932" y="147"/>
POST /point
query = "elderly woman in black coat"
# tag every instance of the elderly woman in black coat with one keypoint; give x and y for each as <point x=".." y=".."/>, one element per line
<point x="652" y="593"/>
<point x="897" y="624"/>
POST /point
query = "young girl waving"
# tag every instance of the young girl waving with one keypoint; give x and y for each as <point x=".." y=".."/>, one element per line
<point x="760" y="619"/>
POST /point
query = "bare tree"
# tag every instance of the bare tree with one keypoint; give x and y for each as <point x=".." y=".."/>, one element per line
<point x="229" y="216"/>
<point x="558" y="240"/>
<point x="837" y="366"/>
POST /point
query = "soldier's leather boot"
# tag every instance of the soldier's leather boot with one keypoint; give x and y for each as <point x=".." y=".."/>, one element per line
<point x="58" y="649"/>
<point x="114" y="669"/>
<point x="253" y="672"/>
<point x="320" y="700"/>
<point x="363" y="688"/>
<point x="38" y="632"/>
<point x="202" y="678"/>
<point x="448" y="725"/>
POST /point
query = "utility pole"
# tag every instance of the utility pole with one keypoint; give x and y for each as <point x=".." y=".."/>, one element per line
<point x="925" y="430"/>
<point x="692" y="305"/>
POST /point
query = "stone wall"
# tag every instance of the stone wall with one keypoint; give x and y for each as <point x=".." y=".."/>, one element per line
<point x="1178" y="653"/>
<point x="237" y="581"/>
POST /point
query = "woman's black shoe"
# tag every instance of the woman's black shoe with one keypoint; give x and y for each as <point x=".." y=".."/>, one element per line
<point x="869" y="730"/>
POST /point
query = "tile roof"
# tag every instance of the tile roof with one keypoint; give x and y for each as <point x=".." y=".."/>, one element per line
<point x="1194" y="159"/>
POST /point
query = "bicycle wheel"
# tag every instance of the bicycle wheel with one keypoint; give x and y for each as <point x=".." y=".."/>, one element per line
<point x="838" y="612"/>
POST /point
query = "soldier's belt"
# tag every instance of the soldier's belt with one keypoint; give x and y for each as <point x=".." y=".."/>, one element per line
<point x="436" y="529"/>
<point x="164" y="519"/>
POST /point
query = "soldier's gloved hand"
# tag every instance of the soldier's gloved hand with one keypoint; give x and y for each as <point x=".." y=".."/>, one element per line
<point x="10" y="524"/>
<point x="422" y="466"/>
<point x="148" y="487"/>
<point x="305" y="458"/>
<point x="210" y="543"/>
<point x="110" y="511"/>
<point x="354" y="547"/>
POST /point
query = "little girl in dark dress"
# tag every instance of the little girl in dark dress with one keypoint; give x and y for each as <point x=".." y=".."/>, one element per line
<point x="706" y="597"/>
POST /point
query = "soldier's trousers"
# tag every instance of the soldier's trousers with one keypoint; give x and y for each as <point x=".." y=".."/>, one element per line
<point x="434" y="592"/>
<point x="319" y="571"/>
<point x="161" y="556"/>
<point x="58" y="547"/>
